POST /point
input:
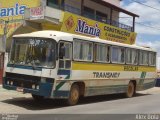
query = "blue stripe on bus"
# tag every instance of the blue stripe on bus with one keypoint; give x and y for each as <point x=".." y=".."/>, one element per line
<point x="64" y="72"/>
<point x="25" y="67"/>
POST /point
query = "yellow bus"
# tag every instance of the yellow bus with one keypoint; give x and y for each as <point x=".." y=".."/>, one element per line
<point x="58" y="65"/>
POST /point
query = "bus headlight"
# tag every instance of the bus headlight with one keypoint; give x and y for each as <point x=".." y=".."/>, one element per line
<point x="8" y="82"/>
<point x="37" y="87"/>
<point x="11" y="83"/>
<point x="33" y="86"/>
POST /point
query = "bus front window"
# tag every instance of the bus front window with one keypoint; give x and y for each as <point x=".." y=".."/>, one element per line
<point x="39" y="52"/>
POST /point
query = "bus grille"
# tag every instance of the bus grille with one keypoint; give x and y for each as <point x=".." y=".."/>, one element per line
<point x="19" y="80"/>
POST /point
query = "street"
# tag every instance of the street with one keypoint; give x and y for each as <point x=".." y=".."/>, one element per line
<point x="144" y="102"/>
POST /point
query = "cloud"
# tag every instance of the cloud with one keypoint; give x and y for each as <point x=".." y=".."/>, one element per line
<point x="148" y="16"/>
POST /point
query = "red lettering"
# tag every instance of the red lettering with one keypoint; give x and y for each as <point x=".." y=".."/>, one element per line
<point x="36" y="11"/>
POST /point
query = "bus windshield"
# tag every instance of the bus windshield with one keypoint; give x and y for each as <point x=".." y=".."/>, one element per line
<point x="38" y="52"/>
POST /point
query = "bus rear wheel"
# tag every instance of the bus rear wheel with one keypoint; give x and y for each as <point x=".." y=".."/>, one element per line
<point x="130" y="90"/>
<point x="73" y="95"/>
<point x="37" y="97"/>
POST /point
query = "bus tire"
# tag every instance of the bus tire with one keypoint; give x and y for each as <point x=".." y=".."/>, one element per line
<point x="130" y="90"/>
<point x="37" y="97"/>
<point x="73" y="95"/>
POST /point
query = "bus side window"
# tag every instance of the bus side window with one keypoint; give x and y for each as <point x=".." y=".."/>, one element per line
<point x="118" y="55"/>
<point x="83" y="50"/>
<point x="102" y="53"/>
<point x="143" y="57"/>
<point x="131" y="56"/>
<point x="152" y="58"/>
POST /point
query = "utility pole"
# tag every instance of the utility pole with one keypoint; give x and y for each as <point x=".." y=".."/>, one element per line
<point x="5" y="34"/>
<point x="3" y="50"/>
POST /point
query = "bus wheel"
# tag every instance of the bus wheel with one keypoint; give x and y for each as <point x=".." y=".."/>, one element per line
<point x="130" y="90"/>
<point x="73" y="95"/>
<point x="37" y="97"/>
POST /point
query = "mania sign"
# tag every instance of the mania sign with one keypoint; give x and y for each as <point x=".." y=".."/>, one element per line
<point x="76" y="24"/>
<point x="13" y="10"/>
<point x="84" y="28"/>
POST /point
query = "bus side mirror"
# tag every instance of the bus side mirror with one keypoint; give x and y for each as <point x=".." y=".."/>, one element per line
<point x="61" y="52"/>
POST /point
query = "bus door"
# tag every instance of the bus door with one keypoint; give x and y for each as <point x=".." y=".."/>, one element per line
<point x="65" y="60"/>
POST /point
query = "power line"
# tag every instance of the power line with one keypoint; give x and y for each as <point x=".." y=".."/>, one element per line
<point x="156" y="28"/>
<point x="146" y="5"/>
<point x="149" y="26"/>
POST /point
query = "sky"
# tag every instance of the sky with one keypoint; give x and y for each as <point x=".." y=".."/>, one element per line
<point x="146" y="36"/>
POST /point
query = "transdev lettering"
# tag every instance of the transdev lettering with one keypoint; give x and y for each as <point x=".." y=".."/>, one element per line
<point x="12" y="11"/>
<point x="106" y="74"/>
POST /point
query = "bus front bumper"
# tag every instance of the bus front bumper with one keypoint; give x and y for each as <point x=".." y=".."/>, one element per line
<point x="45" y="89"/>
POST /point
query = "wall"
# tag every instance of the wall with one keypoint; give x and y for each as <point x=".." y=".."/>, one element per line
<point x="2" y="44"/>
<point x="102" y="9"/>
<point x="115" y="2"/>
<point x="95" y="6"/>
<point x="74" y="4"/>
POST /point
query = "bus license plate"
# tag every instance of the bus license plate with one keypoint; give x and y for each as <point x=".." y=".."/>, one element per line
<point x="19" y="89"/>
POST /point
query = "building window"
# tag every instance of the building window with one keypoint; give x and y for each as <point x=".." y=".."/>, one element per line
<point x="152" y="58"/>
<point x="53" y="3"/>
<point x="89" y="13"/>
<point x="131" y="56"/>
<point x="143" y="58"/>
<point x="83" y="50"/>
<point x="117" y="55"/>
<point x="101" y="53"/>
<point x="101" y="17"/>
<point x="62" y="3"/>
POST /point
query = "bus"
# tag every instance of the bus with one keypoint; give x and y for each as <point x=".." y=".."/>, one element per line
<point x="58" y="65"/>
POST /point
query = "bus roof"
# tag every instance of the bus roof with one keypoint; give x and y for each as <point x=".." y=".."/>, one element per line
<point x="69" y="37"/>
